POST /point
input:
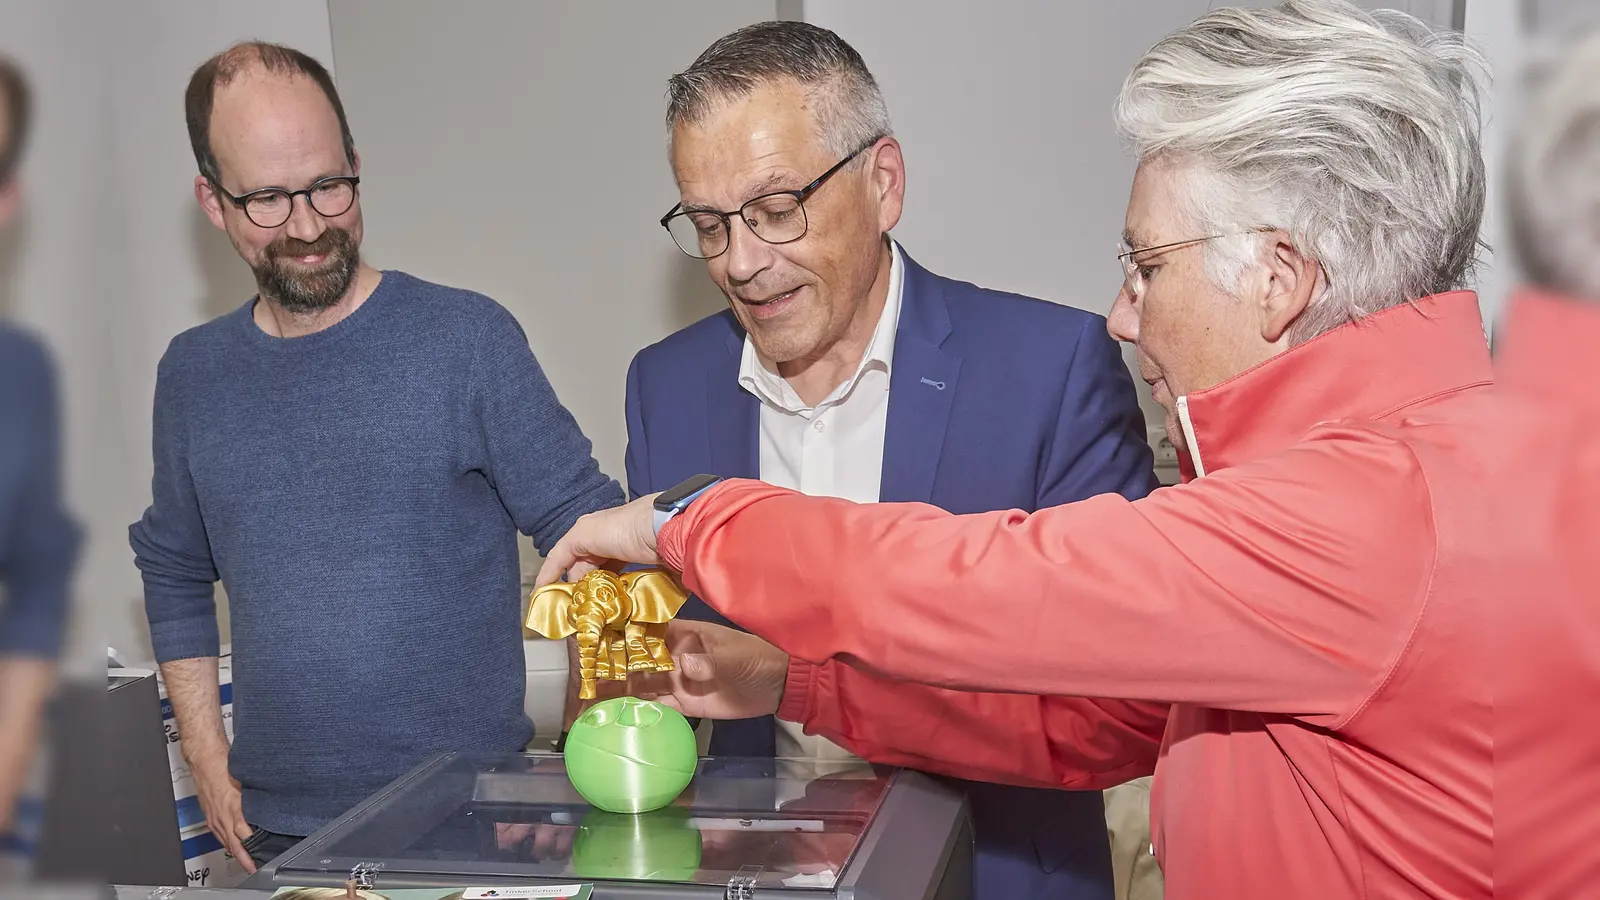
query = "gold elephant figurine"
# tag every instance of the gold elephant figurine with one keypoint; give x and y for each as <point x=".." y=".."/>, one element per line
<point x="620" y="621"/>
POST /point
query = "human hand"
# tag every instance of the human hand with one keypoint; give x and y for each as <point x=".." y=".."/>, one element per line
<point x="534" y="842"/>
<point x="219" y="799"/>
<point x="720" y="673"/>
<point x="624" y="534"/>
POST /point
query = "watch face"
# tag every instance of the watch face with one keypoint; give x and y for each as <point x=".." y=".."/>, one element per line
<point x="671" y="497"/>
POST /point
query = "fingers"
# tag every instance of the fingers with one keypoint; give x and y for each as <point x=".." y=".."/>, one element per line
<point x="227" y="822"/>
<point x="697" y="666"/>
<point x="565" y="567"/>
<point x="651" y="685"/>
<point x="607" y="537"/>
<point x="233" y="842"/>
<point x="241" y="831"/>
<point x="686" y="636"/>
<point x="552" y="842"/>
<point x="574" y="555"/>
<point x="543" y="842"/>
<point x="535" y="842"/>
<point x="553" y="567"/>
<point x="510" y="836"/>
<point x="561" y="557"/>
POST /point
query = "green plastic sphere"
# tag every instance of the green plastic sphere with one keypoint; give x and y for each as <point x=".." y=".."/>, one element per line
<point x="627" y="755"/>
<point x="653" y="846"/>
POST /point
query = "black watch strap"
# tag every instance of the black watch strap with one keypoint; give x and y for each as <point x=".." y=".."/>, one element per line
<point x="675" y="497"/>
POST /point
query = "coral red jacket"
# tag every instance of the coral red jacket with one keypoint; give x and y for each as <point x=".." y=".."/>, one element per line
<point x="1547" y="739"/>
<point x="1312" y="607"/>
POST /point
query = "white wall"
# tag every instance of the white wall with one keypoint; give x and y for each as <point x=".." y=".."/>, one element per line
<point x="55" y="272"/>
<point x="1556" y="18"/>
<point x="1505" y="30"/>
<point x="518" y="149"/>
<point x="1016" y="178"/>
<point x="181" y="270"/>
<point x="1495" y="26"/>
<point x="112" y="258"/>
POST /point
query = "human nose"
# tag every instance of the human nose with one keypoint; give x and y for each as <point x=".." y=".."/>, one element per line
<point x="747" y="254"/>
<point x="305" y="224"/>
<point x="1122" y="322"/>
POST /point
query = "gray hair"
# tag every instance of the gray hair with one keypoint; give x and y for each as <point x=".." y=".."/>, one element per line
<point x="850" y="110"/>
<point x="1554" y="184"/>
<point x="1355" y="132"/>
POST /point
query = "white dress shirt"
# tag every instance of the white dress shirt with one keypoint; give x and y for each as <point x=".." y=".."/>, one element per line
<point x="833" y="449"/>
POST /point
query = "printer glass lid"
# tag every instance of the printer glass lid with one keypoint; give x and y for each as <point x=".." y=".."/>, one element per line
<point x="784" y="823"/>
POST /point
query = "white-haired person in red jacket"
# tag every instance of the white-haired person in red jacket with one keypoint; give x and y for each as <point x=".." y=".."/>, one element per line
<point x="1311" y="602"/>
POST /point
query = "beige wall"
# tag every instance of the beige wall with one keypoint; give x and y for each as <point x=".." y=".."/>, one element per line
<point x="182" y="271"/>
<point x="55" y="273"/>
<point x="518" y="149"/>
<point x="1016" y="178"/>
<point x="111" y="258"/>
<point x="1494" y="26"/>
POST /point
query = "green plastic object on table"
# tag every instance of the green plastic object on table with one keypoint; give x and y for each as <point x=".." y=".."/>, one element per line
<point x="661" y="845"/>
<point x="627" y="755"/>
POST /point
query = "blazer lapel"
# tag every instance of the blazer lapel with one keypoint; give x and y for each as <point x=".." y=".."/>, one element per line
<point x="922" y="390"/>
<point x="734" y="417"/>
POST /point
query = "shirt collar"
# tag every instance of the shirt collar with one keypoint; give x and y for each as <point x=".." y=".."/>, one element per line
<point x="1363" y="370"/>
<point x="771" y="388"/>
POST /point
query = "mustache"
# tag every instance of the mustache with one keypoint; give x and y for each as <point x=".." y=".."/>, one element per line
<point x="326" y="242"/>
<point x="301" y="288"/>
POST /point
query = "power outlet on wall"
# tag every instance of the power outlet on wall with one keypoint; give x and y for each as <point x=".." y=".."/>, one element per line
<point x="1166" y="455"/>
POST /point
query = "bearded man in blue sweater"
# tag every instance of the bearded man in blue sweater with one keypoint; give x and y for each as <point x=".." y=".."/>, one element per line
<point x="352" y="453"/>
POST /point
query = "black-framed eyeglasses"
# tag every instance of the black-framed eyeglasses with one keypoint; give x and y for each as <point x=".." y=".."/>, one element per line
<point x="777" y="218"/>
<point x="270" y="207"/>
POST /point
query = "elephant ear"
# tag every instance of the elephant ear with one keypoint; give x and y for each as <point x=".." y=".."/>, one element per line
<point x="550" y="611"/>
<point x="656" y="596"/>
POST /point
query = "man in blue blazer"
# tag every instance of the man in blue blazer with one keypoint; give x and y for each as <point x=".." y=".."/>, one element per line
<point x="844" y="368"/>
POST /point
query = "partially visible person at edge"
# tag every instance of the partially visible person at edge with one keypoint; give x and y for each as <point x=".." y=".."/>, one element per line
<point x="1547" y="783"/>
<point x="842" y="367"/>
<point x="352" y="453"/>
<point x="39" y="541"/>
<point x="1311" y="600"/>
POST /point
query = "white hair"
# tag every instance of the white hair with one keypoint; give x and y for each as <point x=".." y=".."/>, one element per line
<point x="1355" y="132"/>
<point x="1554" y="184"/>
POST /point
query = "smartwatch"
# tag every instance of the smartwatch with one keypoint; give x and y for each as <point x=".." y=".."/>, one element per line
<point x="677" y="498"/>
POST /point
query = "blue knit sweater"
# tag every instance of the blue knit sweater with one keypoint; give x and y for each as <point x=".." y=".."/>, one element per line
<point x="359" y="492"/>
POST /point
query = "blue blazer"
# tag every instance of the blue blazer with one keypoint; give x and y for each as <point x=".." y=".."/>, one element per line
<point x="996" y="401"/>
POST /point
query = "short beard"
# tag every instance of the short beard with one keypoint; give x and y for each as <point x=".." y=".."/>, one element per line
<point x="302" y="290"/>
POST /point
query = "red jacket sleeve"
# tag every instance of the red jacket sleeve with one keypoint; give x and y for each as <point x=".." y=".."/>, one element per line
<point x="1286" y="586"/>
<point x="1056" y="742"/>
